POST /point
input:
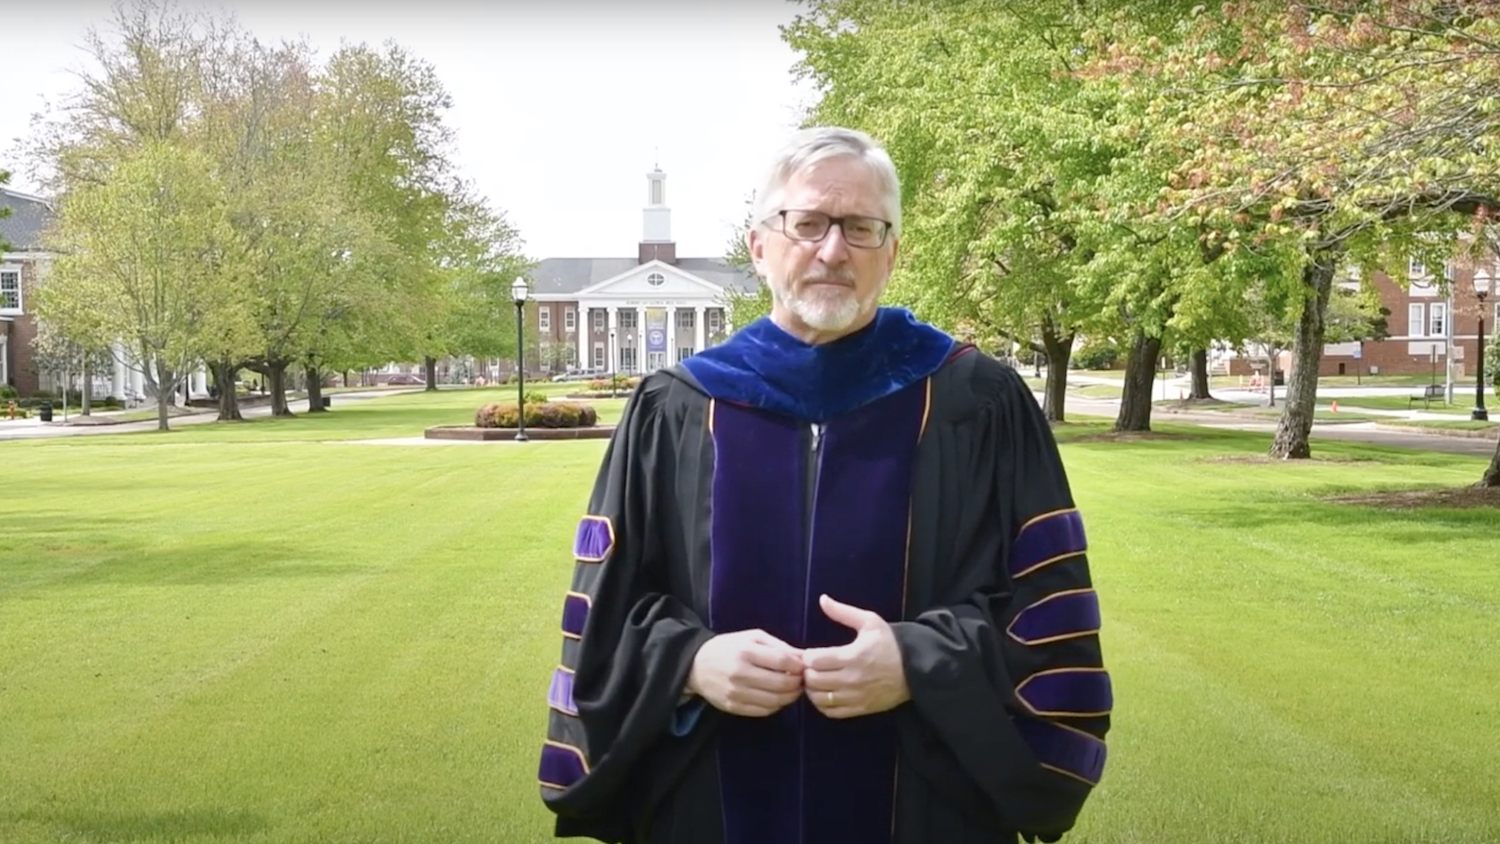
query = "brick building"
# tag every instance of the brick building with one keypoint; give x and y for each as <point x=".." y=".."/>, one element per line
<point x="1428" y="316"/>
<point x="637" y="313"/>
<point x="24" y="262"/>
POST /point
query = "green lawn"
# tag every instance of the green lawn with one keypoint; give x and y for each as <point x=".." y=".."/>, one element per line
<point x="1449" y="424"/>
<point x="272" y="633"/>
<point x="1400" y="403"/>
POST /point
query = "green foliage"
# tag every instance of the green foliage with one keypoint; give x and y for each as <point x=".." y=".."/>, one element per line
<point x="541" y="414"/>
<point x="1100" y="353"/>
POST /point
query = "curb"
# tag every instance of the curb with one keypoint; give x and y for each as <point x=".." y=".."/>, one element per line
<point x="469" y="432"/>
<point x="1491" y="434"/>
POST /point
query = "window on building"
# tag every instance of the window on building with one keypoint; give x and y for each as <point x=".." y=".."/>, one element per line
<point x="1449" y="272"/>
<point x="544" y="318"/>
<point x="627" y="359"/>
<point x="1415" y="268"/>
<point x="598" y="356"/>
<point x="684" y="320"/>
<point x="658" y="192"/>
<point x="1438" y="319"/>
<point x="570" y="320"/>
<point x="10" y="288"/>
<point x="683" y="353"/>
<point x="1416" y="320"/>
<point x="715" y="322"/>
<point x="656" y="279"/>
<point x="599" y="317"/>
<point x="626" y="320"/>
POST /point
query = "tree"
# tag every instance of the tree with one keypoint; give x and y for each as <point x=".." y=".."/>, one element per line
<point x="149" y="257"/>
<point x="743" y="308"/>
<point x="1319" y="134"/>
<point x="4" y="212"/>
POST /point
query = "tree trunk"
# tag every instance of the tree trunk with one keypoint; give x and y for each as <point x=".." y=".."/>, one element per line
<point x="164" y="387"/>
<point x="1492" y="474"/>
<point x="229" y="399"/>
<point x="1140" y="380"/>
<point x="430" y="366"/>
<point x="1200" y="375"/>
<point x="1295" y="427"/>
<point x="1059" y="350"/>
<point x="276" y="375"/>
<point x="86" y="390"/>
<point x="314" y="390"/>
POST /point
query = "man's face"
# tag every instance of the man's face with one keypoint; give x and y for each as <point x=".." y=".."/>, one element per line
<point x="827" y="286"/>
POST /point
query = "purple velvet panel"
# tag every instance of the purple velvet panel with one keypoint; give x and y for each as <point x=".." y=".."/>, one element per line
<point x="1047" y="538"/>
<point x="758" y="580"/>
<point x="560" y="695"/>
<point x="1067" y="692"/>
<point x="1061" y="616"/>
<point x="561" y="766"/>
<point x="594" y="539"/>
<point x="575" y="614"/>
<point x="859" y="558"/>
<point x="1071" y="751"/>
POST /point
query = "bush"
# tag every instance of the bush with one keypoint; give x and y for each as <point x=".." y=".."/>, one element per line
<point x="7" y="392"/>
<point x="1100" y="354"/>
<point x="535" y="397"/>
<point x="552" y="414"/>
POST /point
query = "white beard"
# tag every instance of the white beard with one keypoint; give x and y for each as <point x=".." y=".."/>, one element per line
<point x="828" y="309"/>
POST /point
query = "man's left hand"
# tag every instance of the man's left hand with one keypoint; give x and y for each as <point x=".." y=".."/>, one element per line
<point x="863" y="677"/>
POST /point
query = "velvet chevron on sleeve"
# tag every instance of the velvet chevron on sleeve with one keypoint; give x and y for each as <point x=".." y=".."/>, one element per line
<point x="627" y="643"/>
<point x="1005" y="667"/>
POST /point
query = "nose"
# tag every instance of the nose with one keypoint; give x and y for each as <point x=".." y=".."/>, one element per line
<point x="834" y="249"/>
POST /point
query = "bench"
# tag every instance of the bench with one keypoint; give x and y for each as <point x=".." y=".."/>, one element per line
<point x="1429" y="392"/>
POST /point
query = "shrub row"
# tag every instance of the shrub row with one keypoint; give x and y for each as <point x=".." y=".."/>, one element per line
<point x="552" y="414"/>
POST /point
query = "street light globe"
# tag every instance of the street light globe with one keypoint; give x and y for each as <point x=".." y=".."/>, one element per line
<point x="518" y="290"/>
<point x="1483" y="284"/>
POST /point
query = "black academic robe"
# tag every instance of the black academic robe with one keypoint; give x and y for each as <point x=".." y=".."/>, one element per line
<point x="943" y="506"/>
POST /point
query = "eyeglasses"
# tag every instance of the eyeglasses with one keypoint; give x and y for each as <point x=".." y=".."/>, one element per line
<point x="813" y="226"/>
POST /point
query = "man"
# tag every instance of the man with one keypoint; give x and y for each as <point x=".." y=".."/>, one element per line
<point x="831" y="586"/>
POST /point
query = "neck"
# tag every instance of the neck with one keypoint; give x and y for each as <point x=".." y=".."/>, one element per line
<point x="788" y="322"/>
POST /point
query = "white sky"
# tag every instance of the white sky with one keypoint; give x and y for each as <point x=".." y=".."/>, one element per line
<point x="560" y="107"/>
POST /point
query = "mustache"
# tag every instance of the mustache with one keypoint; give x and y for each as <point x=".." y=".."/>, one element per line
<point x="844" y="276"/>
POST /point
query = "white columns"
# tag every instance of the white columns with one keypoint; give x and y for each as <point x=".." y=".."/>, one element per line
<point x="583" y="323"/>
<point x="613" y="352"/>
<point x="671" y="334"/>
<point x="199" y="383"/>
<point x="117" y="382"/>
<point x="640" y="341"/>
<point x="137" y="383"/>
<point x="700" y="326"/>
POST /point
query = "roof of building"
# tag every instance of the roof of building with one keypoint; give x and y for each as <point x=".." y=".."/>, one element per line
<point x="24" y="228"/>
<point x="561" y="276"/>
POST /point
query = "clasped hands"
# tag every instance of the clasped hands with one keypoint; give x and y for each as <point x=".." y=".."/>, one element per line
<point x="755" y="674"/>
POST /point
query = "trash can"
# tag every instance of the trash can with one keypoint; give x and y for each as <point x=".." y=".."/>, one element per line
<point x="44" y="412"/>
<point x="327" y="401"/>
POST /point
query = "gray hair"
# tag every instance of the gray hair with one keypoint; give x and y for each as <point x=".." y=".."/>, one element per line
<point x="810" y="146"/>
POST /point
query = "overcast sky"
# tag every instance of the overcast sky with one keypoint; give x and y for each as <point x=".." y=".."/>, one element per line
<point x="560" y="107"/>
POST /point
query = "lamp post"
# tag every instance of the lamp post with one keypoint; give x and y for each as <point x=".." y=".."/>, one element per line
<point x="1481" y="291"/>
<point x="613" y="363"/>
<point x="518" y="292"/>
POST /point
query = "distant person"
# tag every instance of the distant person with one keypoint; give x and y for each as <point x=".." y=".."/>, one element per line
<point x="831" y="586"/>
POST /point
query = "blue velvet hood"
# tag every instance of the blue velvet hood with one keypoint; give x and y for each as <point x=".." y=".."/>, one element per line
<point x="763" y="366"/>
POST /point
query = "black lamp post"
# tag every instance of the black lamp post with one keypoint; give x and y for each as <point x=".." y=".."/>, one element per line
<point x="518" y="292"/>
<point x="1481" y="291"/>
<point x="614" y="375"/>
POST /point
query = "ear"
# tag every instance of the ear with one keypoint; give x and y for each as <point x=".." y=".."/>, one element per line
<point x="755" y="239"/>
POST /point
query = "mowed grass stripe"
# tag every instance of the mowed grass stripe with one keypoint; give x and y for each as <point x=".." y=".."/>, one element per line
<point x="297" y="639"/>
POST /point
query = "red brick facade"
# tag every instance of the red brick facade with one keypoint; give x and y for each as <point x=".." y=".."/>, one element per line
<point x="21" y="331"/>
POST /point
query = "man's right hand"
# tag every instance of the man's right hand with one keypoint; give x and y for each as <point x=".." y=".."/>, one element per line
<point x="750" y="673"/>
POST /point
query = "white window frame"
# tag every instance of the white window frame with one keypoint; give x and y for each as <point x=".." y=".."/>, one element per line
<point x="656" y="279"/>
<point x="627" y="320"/>
<point x="1416" y="320"/>
<point x="20" y="305"/>
<point x="543" y="318"/>
<point x="627" y="359"/>
<point x="685" y="319"/>
<point x="715" y="322"/>
<point x="599" y="317"/>
<point x="570" y="320"/>
<point x="1415" y="268"/>
<point x="1437" y="319"/>
<point x="598" y="357"/>
<point x="684" y="352"/>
